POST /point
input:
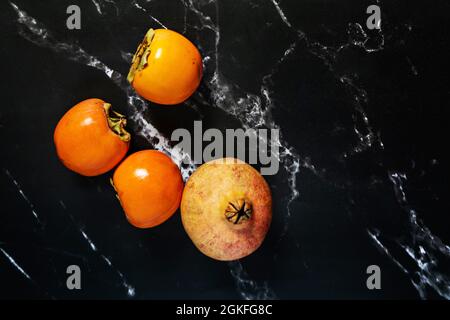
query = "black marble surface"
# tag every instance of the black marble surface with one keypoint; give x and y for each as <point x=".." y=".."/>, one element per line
<point x="364" y="168"/>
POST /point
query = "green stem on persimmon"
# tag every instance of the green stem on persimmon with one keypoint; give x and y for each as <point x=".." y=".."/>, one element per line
<point x="116" y="123"/>
<point x="139" y="61"/>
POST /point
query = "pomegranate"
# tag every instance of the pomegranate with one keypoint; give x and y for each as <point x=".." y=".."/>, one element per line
<point x="226" y="209"/>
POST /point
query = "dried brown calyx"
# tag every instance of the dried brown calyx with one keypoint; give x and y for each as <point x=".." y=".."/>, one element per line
<point x="238" y="211"/>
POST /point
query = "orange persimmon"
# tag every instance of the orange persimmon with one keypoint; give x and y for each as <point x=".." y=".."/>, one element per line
<point x="90" y="138"/>
<point x="149" y="187"/>
<point x="166" y="68"/>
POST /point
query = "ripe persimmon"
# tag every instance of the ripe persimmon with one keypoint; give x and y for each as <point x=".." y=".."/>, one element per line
<point x="166" y="68"/>
<point x="226" y="209"/>
<point x="90" y="138"/>
<point x="149" y="187"/>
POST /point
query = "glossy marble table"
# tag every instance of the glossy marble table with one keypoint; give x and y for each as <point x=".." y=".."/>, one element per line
<point x="363" y="176"/>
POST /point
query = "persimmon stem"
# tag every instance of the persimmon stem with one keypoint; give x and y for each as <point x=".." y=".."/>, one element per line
<point x="238" y="211"/>
<point x="117" y="123"/>
<point x="111" y="181"/>
<point x="139" y="61"/>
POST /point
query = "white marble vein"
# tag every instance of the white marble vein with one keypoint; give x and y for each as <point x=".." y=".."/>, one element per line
<point x="374" y="235"/>
<point x="91" y="243"/>
<point x="136" y="4"/>
<point x="249" y="289"/>
<point x="97" y="6"/>
<point x="426" y="249"/>
<point x="101" y="5"/>
<point x="15" y="264"/>
<point x="356" y="37"/>
<point x="131" y="291"/>
<point x="23" y="195"/>
<point x="281" y="13"/>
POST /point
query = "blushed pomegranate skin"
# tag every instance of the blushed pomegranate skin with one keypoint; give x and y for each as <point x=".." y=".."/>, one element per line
<point x="226" y="209"/>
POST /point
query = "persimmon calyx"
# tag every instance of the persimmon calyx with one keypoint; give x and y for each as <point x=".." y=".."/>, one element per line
<point x="117" y="123"/>
<point x="238" y="211"/>
<point x="140" y="58"/>
<point x="111" y="181"/>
